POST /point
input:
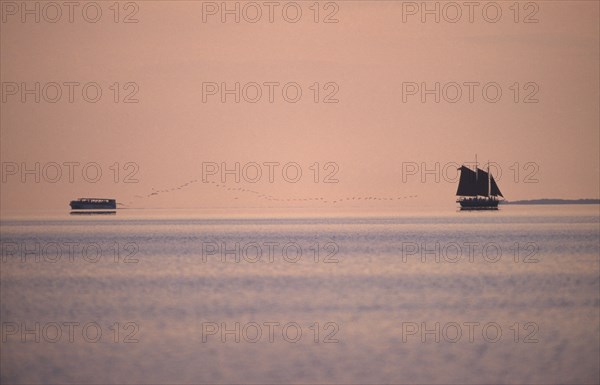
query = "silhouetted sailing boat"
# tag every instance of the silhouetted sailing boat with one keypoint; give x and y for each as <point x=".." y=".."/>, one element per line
<point x="477" y="190"/>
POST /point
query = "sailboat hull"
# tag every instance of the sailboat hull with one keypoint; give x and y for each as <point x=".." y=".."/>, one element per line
<point x="478" y="204"/>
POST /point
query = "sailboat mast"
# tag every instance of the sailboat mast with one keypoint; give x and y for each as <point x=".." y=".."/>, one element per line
<point x="489" y="182"/>
<point x="476" y="171"/>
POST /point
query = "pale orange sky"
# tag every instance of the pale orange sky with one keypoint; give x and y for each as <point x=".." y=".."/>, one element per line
<point x="369" y="53"/>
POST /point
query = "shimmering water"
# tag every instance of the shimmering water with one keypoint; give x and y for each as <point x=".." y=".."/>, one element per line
<point x="504" y="297"/>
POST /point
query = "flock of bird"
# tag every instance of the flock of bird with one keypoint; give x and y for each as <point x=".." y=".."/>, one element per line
<point x="272" y="197"/>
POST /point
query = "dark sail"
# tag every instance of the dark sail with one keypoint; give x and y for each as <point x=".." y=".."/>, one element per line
<point x="468" y="182"/>
<point x="495" y="190"/>
<point x="482" y="183"/>
<point x="478" y="190"/>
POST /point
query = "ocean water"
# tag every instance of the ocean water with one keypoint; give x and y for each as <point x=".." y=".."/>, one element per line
<point x="433" y="296"/>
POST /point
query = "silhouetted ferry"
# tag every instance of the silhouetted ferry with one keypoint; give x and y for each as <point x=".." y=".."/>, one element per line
<point x="477" y="190"/>
<point x="93" y="204"/>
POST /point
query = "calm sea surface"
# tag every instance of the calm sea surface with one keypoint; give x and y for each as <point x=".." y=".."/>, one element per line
<point x="153" y="297"/>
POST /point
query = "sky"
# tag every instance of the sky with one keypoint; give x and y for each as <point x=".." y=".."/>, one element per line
<point x="342" y="92"/>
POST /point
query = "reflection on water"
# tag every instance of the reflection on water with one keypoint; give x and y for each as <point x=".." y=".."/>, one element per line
<point x="155" y="290"/>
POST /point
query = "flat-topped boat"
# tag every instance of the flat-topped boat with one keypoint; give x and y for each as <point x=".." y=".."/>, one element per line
<point x="93" y="204"/>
